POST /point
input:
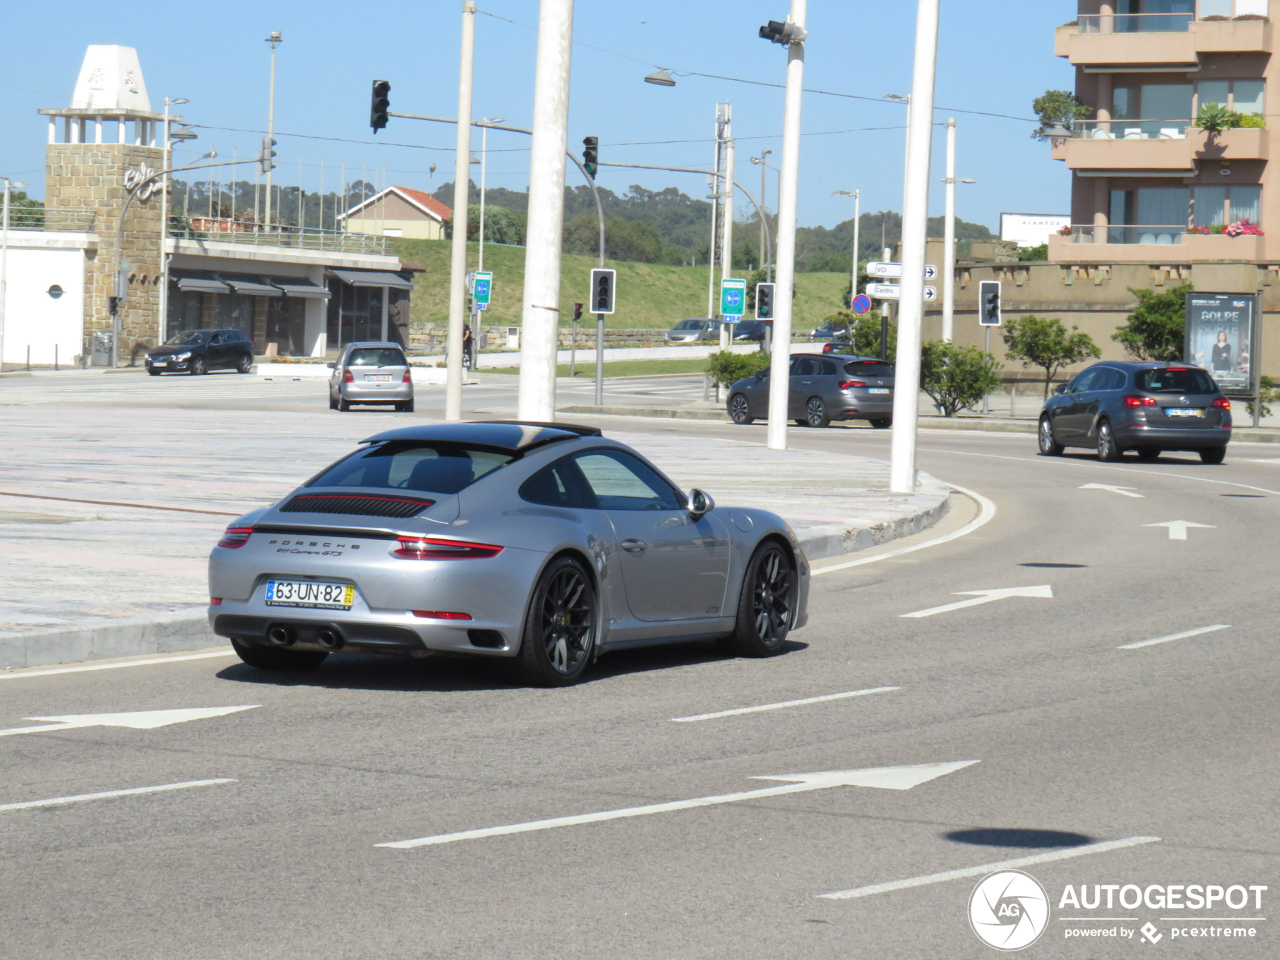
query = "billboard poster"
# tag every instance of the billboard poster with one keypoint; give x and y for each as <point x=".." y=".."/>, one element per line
<point x="1221" y="331"/>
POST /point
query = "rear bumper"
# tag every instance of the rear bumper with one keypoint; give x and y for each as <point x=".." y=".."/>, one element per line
<point x="372" y="393"/>
<point x="403" y="636"/>
<point x="1172" y="438"/>
<point x="857" y="408"/>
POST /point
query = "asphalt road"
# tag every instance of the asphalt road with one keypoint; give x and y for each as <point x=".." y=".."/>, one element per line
<point x="1113" y="764"/>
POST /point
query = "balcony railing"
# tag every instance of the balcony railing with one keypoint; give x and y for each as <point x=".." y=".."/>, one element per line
<point x="1131" y="129"/>
<point x="227" y="230"/>
<point x="58" y="221"/>
<point x="1136" y="22"/>
<point x="1162" y="234"/>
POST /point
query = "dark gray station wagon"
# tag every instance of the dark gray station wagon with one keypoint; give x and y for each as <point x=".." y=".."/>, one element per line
<point x="1143" y="406"/>
<point x="821" y="388"/>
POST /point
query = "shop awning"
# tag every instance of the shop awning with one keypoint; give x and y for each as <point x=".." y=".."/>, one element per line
<point x="372" y="278"/>
<point x="199" y="281"/>
<point x="296" y="287"/>
<point x="250" y="285"/>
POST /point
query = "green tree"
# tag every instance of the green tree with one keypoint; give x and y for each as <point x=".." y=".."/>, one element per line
<point x="1156" y="330"/>
<point x="956" y="377"/>
<point x="728" y="367"/>
<point x="500" y="225"/>
<point x="866" y="335"/>
<point x="1046" y="343"/>
<point x="1058" y="108"/>
<point x="1033" y="254"/>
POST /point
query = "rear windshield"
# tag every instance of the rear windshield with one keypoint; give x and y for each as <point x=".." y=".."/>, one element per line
<point x="689" y="325"/>
<point x="868" y="368"/>
<point x="413" y="465"/>
<point x="377" y="357"/>
<point x="1176" y="380"/>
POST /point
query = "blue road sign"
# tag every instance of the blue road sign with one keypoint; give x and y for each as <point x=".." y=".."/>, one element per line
<point x="861" y="304"/>
<point x="733" y="299"/>
<point x="483" y="287"/>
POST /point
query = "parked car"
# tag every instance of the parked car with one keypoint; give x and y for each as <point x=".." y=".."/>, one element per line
<point x="693" y="330"/>
<point x="822" y="388"/>
<point x="841" y="344"/>
<point x="198" y="351"/>
<point x="541" y="544"/>
<point x="829" y="331"/>
<point x="1144" y="406"/>
<point x="751" y="331"/>
<point x="371" y="372"/>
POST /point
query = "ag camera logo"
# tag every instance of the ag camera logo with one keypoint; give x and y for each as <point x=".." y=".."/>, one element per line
<point x="1009" y="910"/>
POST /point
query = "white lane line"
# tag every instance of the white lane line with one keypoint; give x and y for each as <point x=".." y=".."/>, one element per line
<point x="1175" y="636"/>
<point x="88" y="667"/>
<point x="59" y="801"/>
<point x="985" y="515"/>
<point x="985" y="868"/>
<point x="784" y="704"/>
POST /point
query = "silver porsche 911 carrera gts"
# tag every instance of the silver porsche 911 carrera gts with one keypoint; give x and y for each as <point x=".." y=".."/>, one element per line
<point x="546" y="544"/>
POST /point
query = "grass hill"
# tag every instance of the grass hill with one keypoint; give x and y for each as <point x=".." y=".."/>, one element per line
<point x="649" y="295"/>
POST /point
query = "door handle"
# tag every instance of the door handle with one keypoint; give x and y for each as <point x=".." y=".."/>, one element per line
<point x="633" y="546"/>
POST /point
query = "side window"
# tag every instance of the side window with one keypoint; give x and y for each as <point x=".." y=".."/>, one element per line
<point x="219" y="337"/>
<point x="621" y="482"/>
<point x="828" y="368"/>
<point x="1085" y="381"/>
<point x="559" y="485"/>
<point x="1114" y="381"/>
<point x="805" y="367"/>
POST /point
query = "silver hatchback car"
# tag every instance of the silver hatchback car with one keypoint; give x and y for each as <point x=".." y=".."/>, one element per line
<point x="541" y="544"/>
<point x="371" y="372"/>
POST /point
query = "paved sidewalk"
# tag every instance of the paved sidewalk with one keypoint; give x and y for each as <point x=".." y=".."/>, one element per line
<point x="107" y="517"/>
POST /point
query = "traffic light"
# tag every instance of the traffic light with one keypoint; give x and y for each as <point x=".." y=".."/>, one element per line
<point x="266" y="160"/>
<point x="379" y="106"/>
<point x="602" y="290"/>
<point x="591" y="155"/>
<point x="577" y="311"/>
<point x="780" y="32"/>
<point x="989" y="303"/>
<point x="764" y="301"/>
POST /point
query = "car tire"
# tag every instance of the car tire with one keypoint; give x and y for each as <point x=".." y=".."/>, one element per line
<point x="333" y="402"/>
<point x="1148" y="454"/>
<point x="1108" y="450"/>
<point x="740" y="410"/>
<point x="1213" y="454"/>
<point x="816" y="412"/>
<point x="882" y="423"/>
<point x="277" y="658"/>
<point x="1049" y="447"/>
<point x="245" y="364"/>
<point x="197" y="367"/>
<point x="154" y="373"/>
<point x="343" y="405"/>
<point x="560" y="626"/>
<point x="766" y="603"/>
<point x="406" y="407"/>
<point x="801" y="422"/>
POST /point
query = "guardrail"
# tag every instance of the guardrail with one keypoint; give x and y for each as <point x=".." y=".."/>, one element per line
<point x="1132" y="129"/>
<point x="227" y="230"/>
<point x="60" y="221"/>
<point x="1136" y="22"/>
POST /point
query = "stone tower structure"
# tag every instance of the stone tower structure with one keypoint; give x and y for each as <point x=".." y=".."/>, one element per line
<point x="99" y="150"/>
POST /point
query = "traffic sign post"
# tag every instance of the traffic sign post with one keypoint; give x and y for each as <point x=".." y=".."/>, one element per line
<point x="861" y="305"/>
<point x="482" y="288"/>
<point x="886" y="270"/>
<point x="733" y="299"/>
<point x="892" y="291"/>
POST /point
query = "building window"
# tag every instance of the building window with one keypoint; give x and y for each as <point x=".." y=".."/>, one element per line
<point x="355" y="313"/>
<point x="1154" y="16"/>
<point x="1149" y="111"/>
<point x="1232" y="8"/>
<point x="1217" y="206"/>
<point x="1241" y="96"/>
<point x="1149" y="215"/>
<point x="286" y="326"/>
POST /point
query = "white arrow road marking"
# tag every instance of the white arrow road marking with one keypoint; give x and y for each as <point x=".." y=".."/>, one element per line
<point x="1177" y="636"/>
<point x="989" y="868"/>
<point x="880" y="778"/>
<point x="59" y="801"/>
<point x="1178" y="528"/>
<point x="779" y="706"/>
<point x="985" y="596"/>
<point x="146" y="720"/>
<point x="1123" y="491"/>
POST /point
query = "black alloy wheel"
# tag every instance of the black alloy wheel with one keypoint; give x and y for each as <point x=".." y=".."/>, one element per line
<point x="245" y="364"/>
<point x="560" y="628"/>
<point x="816" y="412"/>
<point x="197" y="366"/>
<point x="1108" y="452"/>
<point x="766" y="604"/>
<point x="276" y="658"/>
<point x="1049" y="447"/>
<point x="740" y="409"/>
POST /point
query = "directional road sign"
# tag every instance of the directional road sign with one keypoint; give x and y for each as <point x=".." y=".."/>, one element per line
<point x="892" y="271"/>
<point x="861" y="304"/>
<point x="483" y="288"/>
<point x="733" y="299"/>
<point x="892" y="291"/>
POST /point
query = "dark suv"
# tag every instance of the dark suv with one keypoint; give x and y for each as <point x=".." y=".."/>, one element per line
<point x="199" y="351"/>
<point x="1144" y="406"/>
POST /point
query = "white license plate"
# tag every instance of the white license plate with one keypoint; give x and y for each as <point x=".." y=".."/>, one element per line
<point x="310" y="593"/>
<point x="377" y="377"/>
<point x="159" y="363"/>
<point x="1183" y="412"/>
<point x="877" y="389"/>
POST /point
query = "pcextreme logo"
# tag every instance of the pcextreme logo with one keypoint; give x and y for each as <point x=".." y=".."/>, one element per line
<point x="1009" y="910"/>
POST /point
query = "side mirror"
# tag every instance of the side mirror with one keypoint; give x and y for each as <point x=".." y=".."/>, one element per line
<point x="332" y="366"/>
<point x="700" y="504"/>
<point x="1062" y="388"/>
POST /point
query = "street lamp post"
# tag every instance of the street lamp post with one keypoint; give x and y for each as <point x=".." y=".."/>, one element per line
<point x="949" y="237"/>
<point x="163" y="319"/>
<point x="764" y="169"/>
<point x="857" y="215"/>
<point x="484" y="148"/>
<point x="4" y="259"/>
<point x="461" y="200"/>
<point x="274" y="39"/>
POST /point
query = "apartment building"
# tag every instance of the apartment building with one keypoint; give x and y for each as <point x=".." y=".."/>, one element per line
<point x="1148" y="185"/>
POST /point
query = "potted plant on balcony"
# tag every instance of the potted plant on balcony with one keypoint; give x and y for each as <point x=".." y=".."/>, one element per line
<point x="1058" y="111"/>
<point x="1213" y="118"/>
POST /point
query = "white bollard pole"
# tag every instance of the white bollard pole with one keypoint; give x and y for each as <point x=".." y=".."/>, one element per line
<point x="780" y="365"/>
<point x="541" y="311"/>
<point x="902" y="464"/>
<point x="949" y="239"/>
<point x="461" y="199"/>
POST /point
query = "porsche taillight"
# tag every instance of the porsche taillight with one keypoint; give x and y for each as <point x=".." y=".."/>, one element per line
<point x="234" y="537"/>
<point x="437" y="548"/>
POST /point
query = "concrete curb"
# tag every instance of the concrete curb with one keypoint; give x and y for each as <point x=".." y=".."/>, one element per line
<point x="926" y="508"/>
<point x="105" y="639"/>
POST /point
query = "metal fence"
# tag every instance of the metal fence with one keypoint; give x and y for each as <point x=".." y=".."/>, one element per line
<point x="227" y="230"/>
<point x="62" y="221"/>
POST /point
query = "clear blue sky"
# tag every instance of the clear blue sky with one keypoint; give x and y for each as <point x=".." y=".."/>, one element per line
<point x="995" y="56"/>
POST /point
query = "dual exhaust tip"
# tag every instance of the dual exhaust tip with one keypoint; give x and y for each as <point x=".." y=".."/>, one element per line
<point x="282" y="636"/>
